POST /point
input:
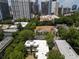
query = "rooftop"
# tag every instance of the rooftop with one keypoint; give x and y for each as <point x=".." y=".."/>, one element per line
<point x="22" y="23"/>
<point x="66" y="50"/>
<point x="45" y="28"/>
<point x="48" y="17"/>
<point x="42" y="48"/>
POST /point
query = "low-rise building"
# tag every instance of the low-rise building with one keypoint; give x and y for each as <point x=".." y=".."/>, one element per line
<point x="4" y="9"/>
<point x="4" y="26"/>
<point x="48" y="17"/>
<point x="39" y="47"/>
<point x="22" y="23"/>
<point x="11" y="29"/>
<point x="66" y="50"/>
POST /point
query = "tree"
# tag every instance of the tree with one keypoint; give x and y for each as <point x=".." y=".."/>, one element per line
<point x="63" y="33"/>
<point x="72" y="37"/>
<point x="22" y="20"/>
<point x="64" y="20"/>
<point x="69" y="34"/>
<point x="50" y="38"/>
<point x="55" y="54"/>
<point x="31" y="26"/>
<point x="16" y="55"/>
<point x="19" y="26"/>
<point x="16" y="50"/>
<point x="26" y="34"/>
<point x="1" y="35"/>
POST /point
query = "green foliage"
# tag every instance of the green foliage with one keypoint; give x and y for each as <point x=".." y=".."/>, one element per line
<point x="64" y="20"/>
<point x="31" y="26"/>
<point x="69" y="20"/>
<point x="19" y="26"/>
<point x="22" y="20"/>
<point x="50" y="38"/>
<point x="15" y="34"/>
<point x="16" y="55"/>
<point x="71" y="35"/>
<point x="63" y="33"/>
<point x="1" y="35"/>
<point x="6" y="22"/>
<point x="17" y="50"/>
<point x="55" y="54"/>
<point x="26" y="34"/>
<point x="45" y="23"/>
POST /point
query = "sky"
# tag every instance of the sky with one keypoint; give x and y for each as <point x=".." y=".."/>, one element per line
<point x="65" y="3"/>
<point x="68" y="3"/>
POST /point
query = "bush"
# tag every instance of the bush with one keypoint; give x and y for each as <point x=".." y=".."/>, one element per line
<point x="22" y="20"/>
<point x="6" y="22"/>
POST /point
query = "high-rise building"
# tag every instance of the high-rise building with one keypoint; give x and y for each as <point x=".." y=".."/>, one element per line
<point x="4" y="9"/>
<point x="34" y="7"/>
<point x="49" y="7"/>
<point x="74" y="7"/>
<point x="54" y="7"/>
<point x="20" y="9"/>
<point x="45" y="7"/>
<point x="64" y="10"/>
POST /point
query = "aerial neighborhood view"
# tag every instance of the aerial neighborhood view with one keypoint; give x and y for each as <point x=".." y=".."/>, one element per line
<point x="39" y="29"/>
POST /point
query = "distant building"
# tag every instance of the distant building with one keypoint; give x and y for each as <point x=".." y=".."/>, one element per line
<point x="34" y="7"/>
<point x="54" y="7"/>
<point x="0" y="15"/>
<point x="49" y="7"/>
<point x="4" y="9"/>
<point x="78" y="8"/>
<point x="20" y="9"/>
<point x="74" y="7"/>
<point x="66" y="50"/>
<point x="60" y="11"/>
<point x="44" y="7"/>
<point x="48" y="17"/>
<point x="64" y="10"/>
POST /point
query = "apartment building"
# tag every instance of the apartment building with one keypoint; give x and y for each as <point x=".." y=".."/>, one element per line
<point x="20" y="9"/>
<point x="45" y="7"/>
<point x="4" y="9"/>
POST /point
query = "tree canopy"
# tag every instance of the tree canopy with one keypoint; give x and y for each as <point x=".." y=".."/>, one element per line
<point x="49" y="37"/>
<point x="17" y="50"/>
<point x="55" y="54"/>
<point x="69" y="20"/>
<point x="71" y="35"/>
<point x="1" y="35"/>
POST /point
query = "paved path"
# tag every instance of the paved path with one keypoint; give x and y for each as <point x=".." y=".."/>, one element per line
<point x="30" y="57"/>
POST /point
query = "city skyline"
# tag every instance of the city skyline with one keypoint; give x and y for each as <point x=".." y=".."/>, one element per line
<point x="65" y="3"/>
